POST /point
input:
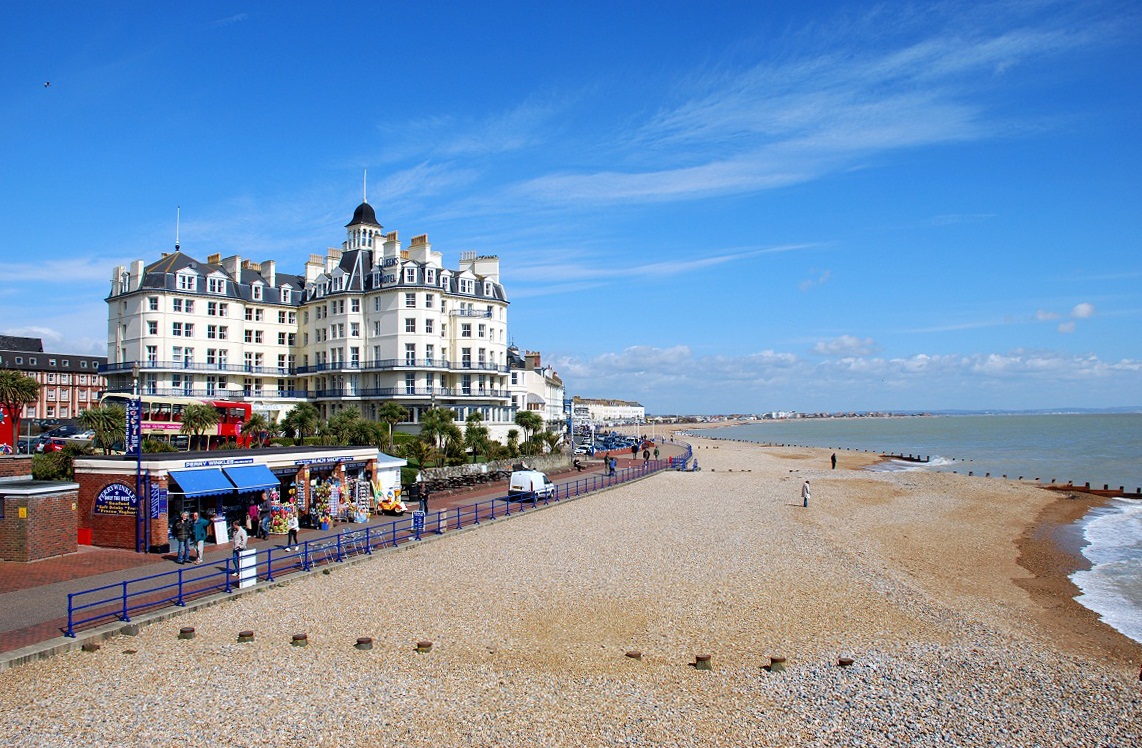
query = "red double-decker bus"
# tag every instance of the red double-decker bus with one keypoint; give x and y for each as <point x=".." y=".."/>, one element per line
<point x="162" y="419"/>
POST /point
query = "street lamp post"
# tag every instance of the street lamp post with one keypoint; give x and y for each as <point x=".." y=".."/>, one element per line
<point x="134" y="438"/>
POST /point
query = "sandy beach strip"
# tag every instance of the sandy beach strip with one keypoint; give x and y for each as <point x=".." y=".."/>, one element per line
<point x="914" y="576"/>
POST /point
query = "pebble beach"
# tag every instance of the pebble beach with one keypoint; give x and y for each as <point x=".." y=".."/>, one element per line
<point x="581" y="624"/>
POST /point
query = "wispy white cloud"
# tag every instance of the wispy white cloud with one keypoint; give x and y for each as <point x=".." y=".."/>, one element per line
<point x="1082" y="311"/>
<point x="846" y="345"/>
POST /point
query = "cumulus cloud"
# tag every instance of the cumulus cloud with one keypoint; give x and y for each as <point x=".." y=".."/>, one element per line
<point x="1083" y="311"/>
<point x="845" y="345"/>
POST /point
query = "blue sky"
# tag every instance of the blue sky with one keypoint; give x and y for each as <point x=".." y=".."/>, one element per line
<point x="726" y="207"/>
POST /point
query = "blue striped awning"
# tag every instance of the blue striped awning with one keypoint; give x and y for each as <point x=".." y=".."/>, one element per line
<point x="252" y="478"/>
<point x="202" y="482"/>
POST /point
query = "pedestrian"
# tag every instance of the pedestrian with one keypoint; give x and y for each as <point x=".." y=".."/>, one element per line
<point x="645" y="456"/>
<point x="292" y="526"/>
<point x="612" y="465"/>
<point x="656" y="453"/>
<point x="633" y="451"/>
<point x="252" y="517"/>
<point x="238" y="544"/>
<point x="183" y="530"/>
<point x="805" y="494"/>
<point x="265" y="514"/>
<point x="201" y="525"/>
<point x="834" y="458"/>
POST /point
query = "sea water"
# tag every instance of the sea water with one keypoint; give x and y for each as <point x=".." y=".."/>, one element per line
<point x="1100" y="449"/>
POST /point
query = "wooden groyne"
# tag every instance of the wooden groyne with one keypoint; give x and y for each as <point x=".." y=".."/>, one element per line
<point x="1106" y="491"/>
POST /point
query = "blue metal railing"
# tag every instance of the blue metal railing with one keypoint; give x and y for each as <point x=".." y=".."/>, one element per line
<point x="121" y="600"/>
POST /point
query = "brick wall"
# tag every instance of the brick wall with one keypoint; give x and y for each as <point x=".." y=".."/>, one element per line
<point x="112" y="531"/>
<point x="15" y="466"/>
<point x="47" y="529"/>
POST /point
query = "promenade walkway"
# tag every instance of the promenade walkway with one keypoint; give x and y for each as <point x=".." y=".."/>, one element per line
<point x="33" y="596"/>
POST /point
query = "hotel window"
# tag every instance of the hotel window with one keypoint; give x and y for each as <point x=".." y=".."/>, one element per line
<point x="355" y="329"/>
<point x="354" y="356"/>
<point x="221" y="356"/>
<point x="249" y="314"/>
<point x="216" y="285"/>
<point x="176" y="329"/>
<point x="410" y="383"/>
<point x="211" y="385"/>
<point x="410" y="300"/>
<point x="466" y="384"/>
<point x="249" y="359"/>
<point x="466" y="358"/>
<point x="176" y="354"/>
<point x="281" y="316"/>
<point x="259" y="359"/>
<point x="292" y="319"/>
<point x="176" y="304"/>
<point x="429" y="300"/>
<point x="467" y="285"/>
<point x="259" y="314"/>
<point x="189" y="306"/>
<point x="281" y="338"/>
<point x="482" y="331"/>
<point x="19" y="360"/>
<point x="285" y="297"/>
<point x="429" y="350"/>
<point x="480" y="357"/>
<point x="211" y="356"/>
<point x="410" y="354"/>
<point x="249" y="336"/>
<point x="376" y="303"/>
<point x="428" y="326"/>
<point x="212" y="332"/>
<point x="222" y="332"/>
<point x="355" y="305"/>
<point x="152" y="354"/>
<point x="223" y="309"/>
<point x="410" y="324"/>
<point x="466" y="330"/>
<point x="187" y="282"/>
<point x="153" y="303"/>
<point x="152" y="327"/>
<point x="430" y="276"/>
<point x="410" y="275"/>
<point x="281" y="363"/>
<point x="83" y="364"/>
<point x="51" y="378"/>
<point x="487" y="288"/>
<point x="336" y="285"/>
<point x="256" y="292"/>
<point x="188" y="330"/>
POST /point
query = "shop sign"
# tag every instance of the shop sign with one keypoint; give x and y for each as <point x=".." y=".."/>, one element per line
<point x="215" y="463"/>
<point x="322" y="460"/>
<point x="134" y="426"/>
<point x="116" y="500"/>
<point x="418" y="521"/>
<point x="158" y="501"/>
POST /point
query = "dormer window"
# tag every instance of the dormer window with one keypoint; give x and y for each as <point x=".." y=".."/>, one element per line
<point x="256" y="291"/>
<point x="187" y="282"/>
<point x="285" y="295"/>
<point x="430" y="276"/>
<point x="410" y="275"/>
<point x="337" y="281"/>
<point x="467" y="285"/>
<point x="487" y="288"/>
<point x="216" y="286"/>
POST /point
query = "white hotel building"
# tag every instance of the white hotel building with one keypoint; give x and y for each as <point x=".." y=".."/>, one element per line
<point x="367" y="323"/>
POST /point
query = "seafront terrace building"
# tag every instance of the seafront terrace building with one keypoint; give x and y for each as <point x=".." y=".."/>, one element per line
<point x="366" y="323"/>
<point x="69" y="383"/>
<point x="610" y="412"/>
<point x="537" y="388"/>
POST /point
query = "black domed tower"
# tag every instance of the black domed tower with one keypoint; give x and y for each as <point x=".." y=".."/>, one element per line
<point x="364" y="229"/>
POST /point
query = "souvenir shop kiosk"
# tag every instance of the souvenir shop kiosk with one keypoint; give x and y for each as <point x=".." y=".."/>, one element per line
<point x="322" y="485"/>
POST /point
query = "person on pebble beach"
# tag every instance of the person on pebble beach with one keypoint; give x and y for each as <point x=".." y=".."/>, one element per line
<point x="805" y="494"/>
<point x="834" y="459"/>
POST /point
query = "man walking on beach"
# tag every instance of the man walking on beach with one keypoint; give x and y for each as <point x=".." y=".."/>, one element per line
<point x="834" y="458"/>
<point x="805" y="494"/>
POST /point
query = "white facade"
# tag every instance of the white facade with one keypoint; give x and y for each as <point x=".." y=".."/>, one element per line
<point x="537" y="388"/>
<point x="368" y="323"/>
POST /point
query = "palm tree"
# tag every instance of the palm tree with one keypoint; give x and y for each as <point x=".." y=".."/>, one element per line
<point x="529" y="421"/>
<point x="16" y="391"/>
<point x="197" y="418"/>
<point x="392" y="413"/>
<point x="343" y="423"/>
<point x="513" y="442"/>
<point x="434" y="424"/>
<point x="453" y="450"/>
<point x="301" y="421"/>
<point x="420" y="452"/>
<point x="476" y="433"/>
<point x="257" y="429"/>
<point x="109" y="422"/>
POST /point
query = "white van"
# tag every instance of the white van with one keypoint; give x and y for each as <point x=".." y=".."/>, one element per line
<point x="524" y="483"/>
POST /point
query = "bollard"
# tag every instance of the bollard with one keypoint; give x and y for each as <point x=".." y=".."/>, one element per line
<point x="186" y="632"/>
<point x="131" y="629"/>
<point x="634" y="654"/>
<point x="364" y="643"/>
<point x="776" y="665"/>
<point x="423" y="646"/>
<point x="300" y="640"/>
<point x="245" y="637"/>
<point x="702" y="662"/>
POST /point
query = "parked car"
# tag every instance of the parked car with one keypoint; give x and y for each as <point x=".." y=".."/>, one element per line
<point x="51" y="445"/>
<point x="523" y="484"/>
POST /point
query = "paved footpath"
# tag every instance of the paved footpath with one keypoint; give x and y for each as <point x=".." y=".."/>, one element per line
<point x="33" y="596"/>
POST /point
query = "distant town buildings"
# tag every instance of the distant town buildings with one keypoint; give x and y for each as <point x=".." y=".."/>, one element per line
<point x="370" y="322"/>
<point x="69" y="383"/>
<point x="609" y="412"/>
<point x="537" y="388"/>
